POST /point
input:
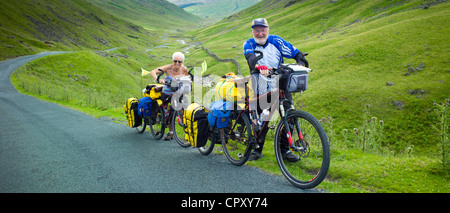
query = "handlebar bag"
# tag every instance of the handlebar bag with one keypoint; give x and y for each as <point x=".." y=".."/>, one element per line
<point x="219" y="114"/>
<point x="181" y="86"/>
<point x="292" y="81"/>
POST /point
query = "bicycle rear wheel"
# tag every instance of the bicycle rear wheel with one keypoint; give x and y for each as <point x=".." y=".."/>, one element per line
<point x="157" y="124"/>
<point x="313" y="150"/>
<point x="140" y="129"/>
<point x="237" y="141"/>
<point x="178" y="128"/>
<point x="207" y="148"/>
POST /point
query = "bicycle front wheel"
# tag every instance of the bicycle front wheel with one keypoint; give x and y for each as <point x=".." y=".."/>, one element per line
<point x="178" y="128"/>
<point x="237" y="141"/>
<point x="157" y="124"/>
<point x="310" y="143"/>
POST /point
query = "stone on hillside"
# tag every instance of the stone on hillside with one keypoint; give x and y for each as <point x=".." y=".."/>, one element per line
<point x="398" y="104"/>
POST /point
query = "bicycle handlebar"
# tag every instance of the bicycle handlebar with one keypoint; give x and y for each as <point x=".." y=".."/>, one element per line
<point x="162" y="73"/>
<point x="261" y="55"/>
<point x="272" y="71"/>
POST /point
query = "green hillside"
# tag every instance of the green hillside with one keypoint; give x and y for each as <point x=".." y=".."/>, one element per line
<point x="151" y="14"/>
<point x="29" y="27"/>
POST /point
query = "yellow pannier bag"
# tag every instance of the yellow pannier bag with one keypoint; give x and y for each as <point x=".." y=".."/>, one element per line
<point x="195" y="119"/>
<point x="131" y="111"/>
<point x="227" y="89"/>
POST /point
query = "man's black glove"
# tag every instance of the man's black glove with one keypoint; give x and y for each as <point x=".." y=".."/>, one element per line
<point x="301" y="60"/>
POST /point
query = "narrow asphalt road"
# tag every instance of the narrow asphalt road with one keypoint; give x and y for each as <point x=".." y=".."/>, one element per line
<point x="45" y="147"/>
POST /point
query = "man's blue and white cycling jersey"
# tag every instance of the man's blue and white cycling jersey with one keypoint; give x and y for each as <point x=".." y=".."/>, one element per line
<point x="274" y="50"/>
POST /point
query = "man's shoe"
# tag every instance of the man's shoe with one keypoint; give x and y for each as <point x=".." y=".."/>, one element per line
<point x="291" y="157"/>
<point x="169" y="136"/>
<point x="255" y="155"/>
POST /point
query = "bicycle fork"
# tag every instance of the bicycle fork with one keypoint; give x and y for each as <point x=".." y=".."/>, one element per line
<point x="288" y="131"/>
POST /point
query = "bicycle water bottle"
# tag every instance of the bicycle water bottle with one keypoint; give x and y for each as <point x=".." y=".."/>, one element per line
<point x="263" y="117"/>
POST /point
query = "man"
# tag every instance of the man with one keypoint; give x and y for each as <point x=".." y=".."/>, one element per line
<point x="274" y="48"/>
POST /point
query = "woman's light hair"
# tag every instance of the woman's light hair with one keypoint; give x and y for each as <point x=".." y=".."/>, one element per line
<point x="179" y="54"/>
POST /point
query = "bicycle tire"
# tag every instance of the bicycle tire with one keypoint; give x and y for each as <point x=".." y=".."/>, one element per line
<point x="213" y="139"/>
<point x="158" y="126"/>
<point x="207" y="148"/>
<point x="141" y="129"/>
<point x="237" y="151"/>
<point x="178" y="129"/>
<point x="314" y="162"/>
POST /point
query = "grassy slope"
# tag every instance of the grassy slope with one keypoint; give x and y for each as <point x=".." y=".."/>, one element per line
<point x="68" y="25"/>
<point x="75" y="81"/>
<point x="355" y="49"/>
<point x="97" y="83"/>
<point x="80" y="25"/>
<point x="155" y="14"/>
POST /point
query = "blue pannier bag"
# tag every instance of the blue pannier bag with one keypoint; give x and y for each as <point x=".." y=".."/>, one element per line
<point x="219" y="114"/>
<point x="145" y="107"/>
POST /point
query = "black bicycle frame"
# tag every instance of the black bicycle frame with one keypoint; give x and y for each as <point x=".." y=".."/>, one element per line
<point x="282" y="112"/>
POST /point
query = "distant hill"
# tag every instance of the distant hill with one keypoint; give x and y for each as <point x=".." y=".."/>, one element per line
<point x="214" y="10"/>
<point x="152" y="14"/>
<point x="29" y="26"/>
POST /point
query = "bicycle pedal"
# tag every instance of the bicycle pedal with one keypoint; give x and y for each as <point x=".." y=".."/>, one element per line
<point x="272" y="126"/>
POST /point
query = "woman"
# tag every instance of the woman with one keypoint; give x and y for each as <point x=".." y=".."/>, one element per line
<point x="174" y="70"/>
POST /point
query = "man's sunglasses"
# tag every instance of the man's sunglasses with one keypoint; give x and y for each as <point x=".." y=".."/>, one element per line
<point x="175" y="61"/>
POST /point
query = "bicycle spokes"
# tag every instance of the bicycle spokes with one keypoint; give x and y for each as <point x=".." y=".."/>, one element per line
<point x="179" y="128"/>
<point x="236" y="142"/>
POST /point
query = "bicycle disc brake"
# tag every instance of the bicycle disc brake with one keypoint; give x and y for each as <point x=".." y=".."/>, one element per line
<point x="302" y="148"/>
